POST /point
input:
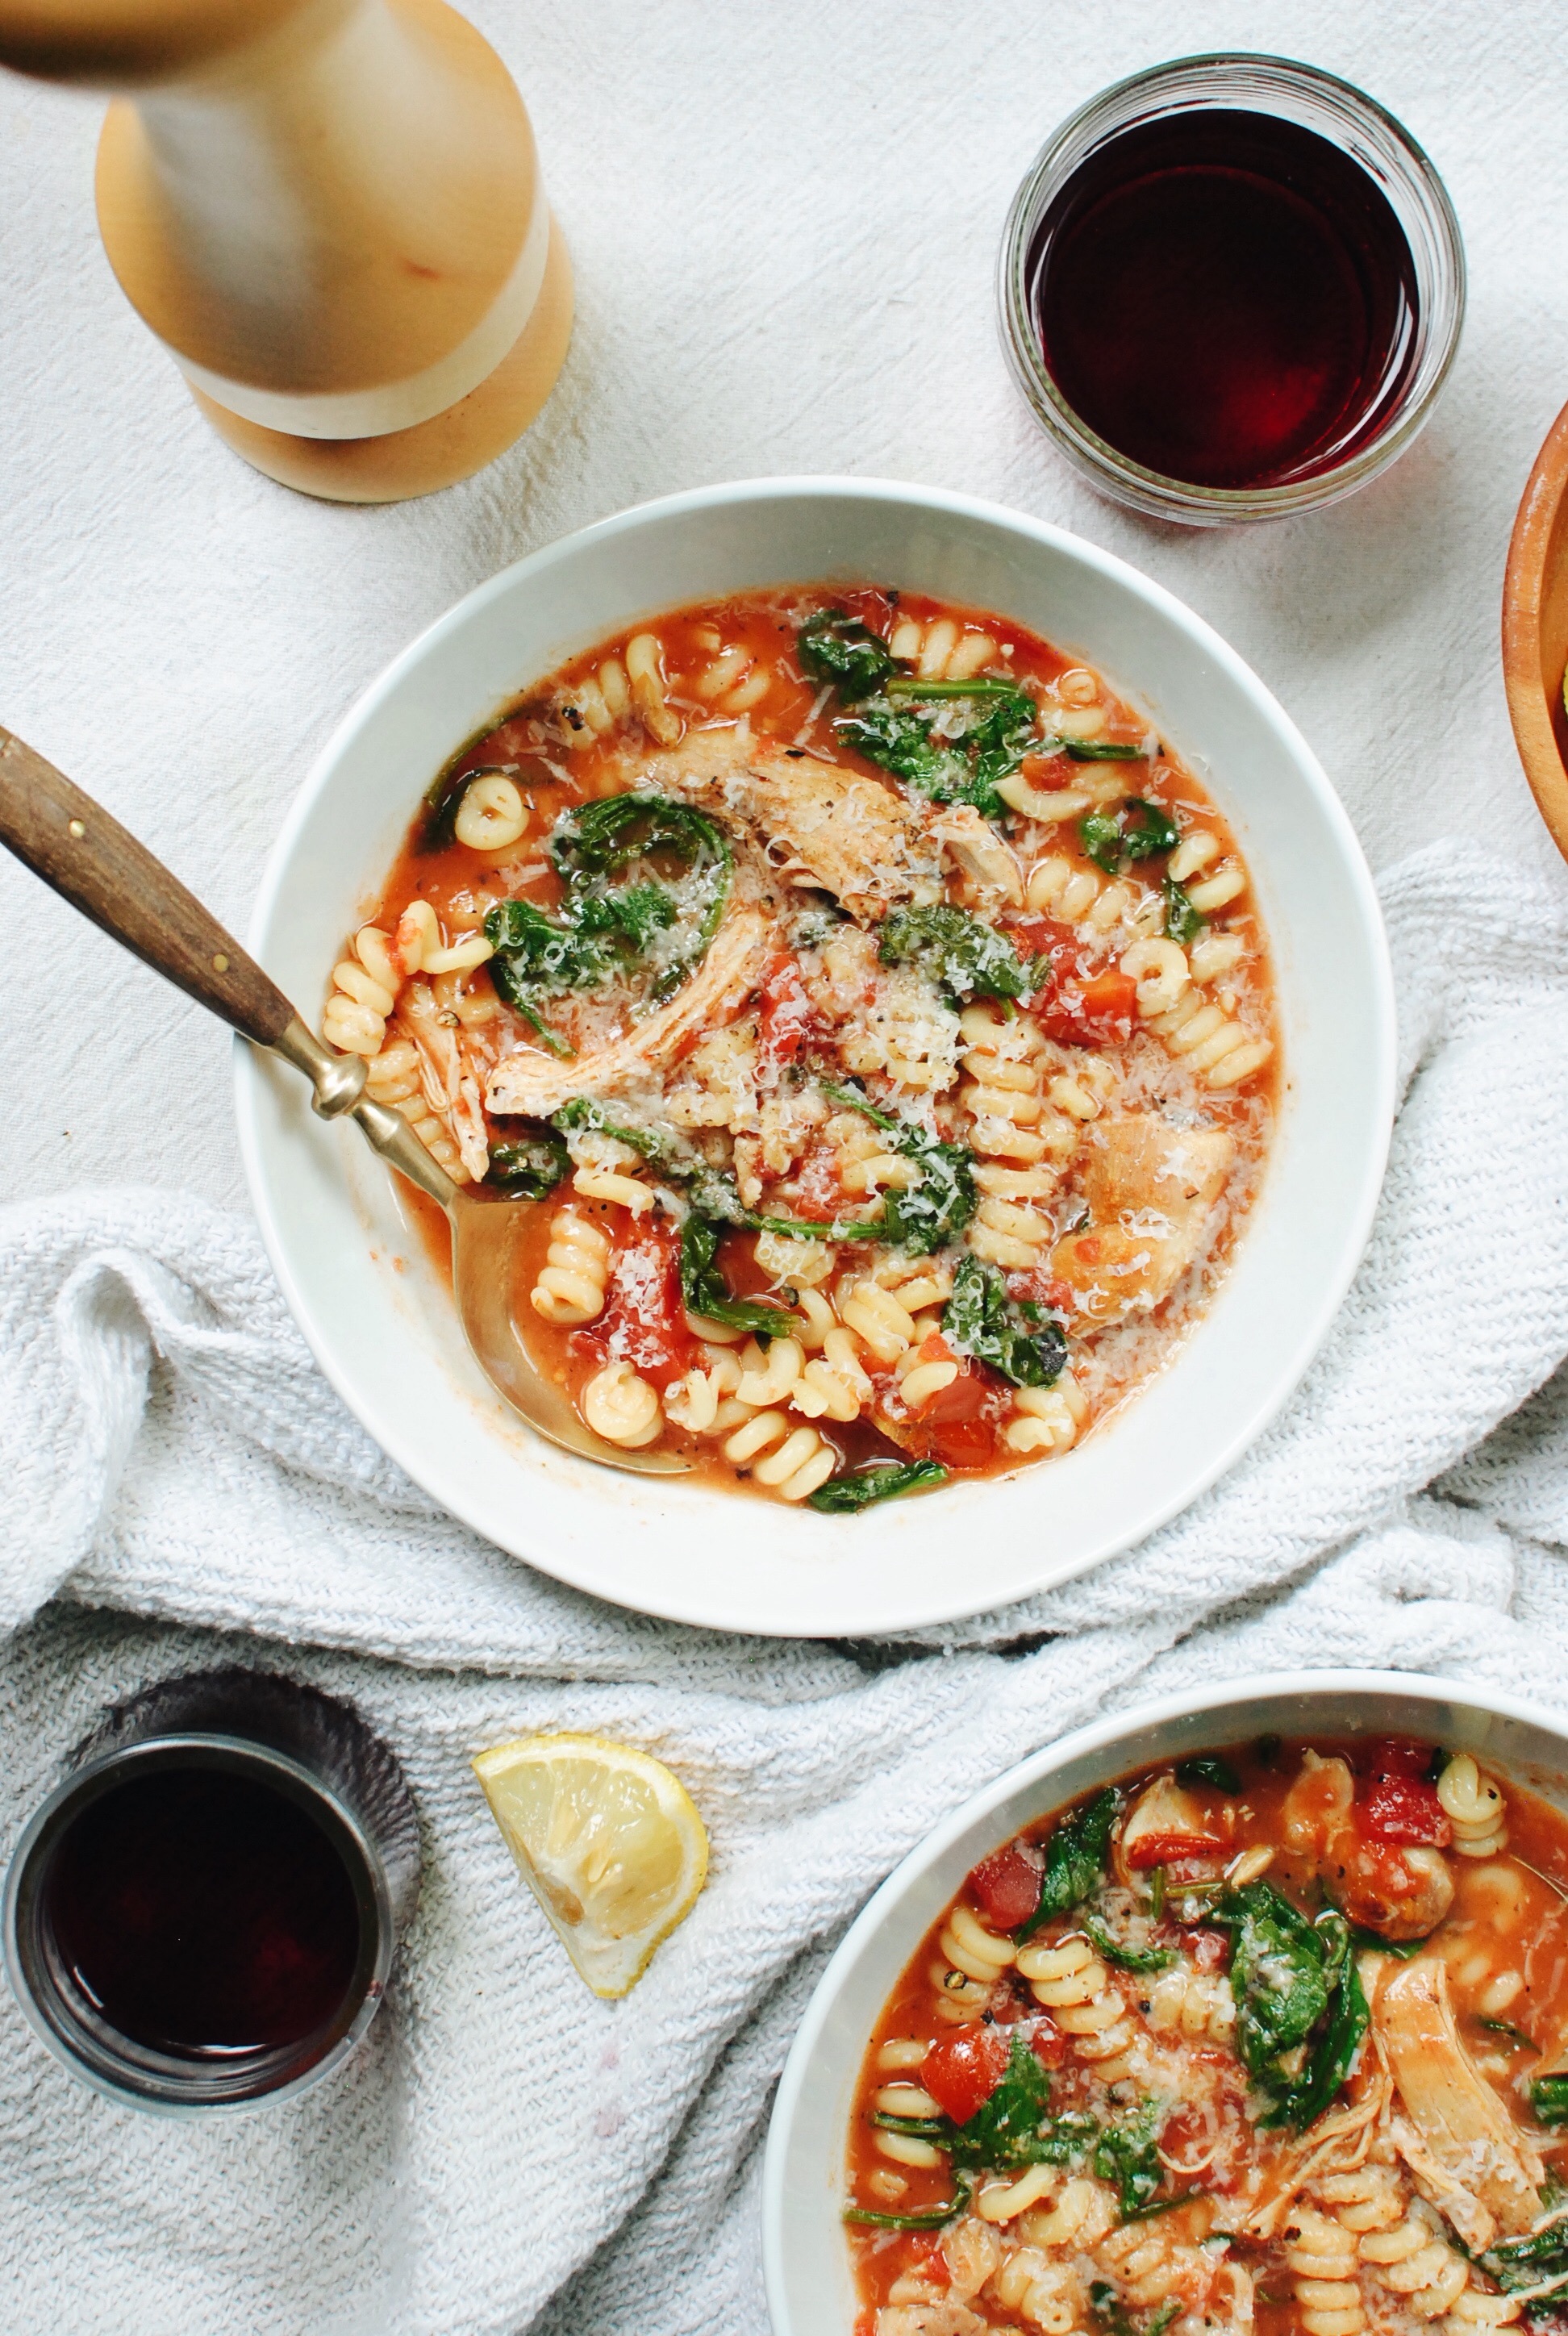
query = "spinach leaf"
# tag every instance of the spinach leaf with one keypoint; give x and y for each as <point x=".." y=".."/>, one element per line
<point x="962" y="767"/>
<point x="1137" y="830"/>
<point x="1276" y="1973"/>
<point x="1127" y="2154"/>
<point x="931" y="1211"/>
<point x="1014" y="2128"/>
<point x="711" y="1192"/>
<point x="1115" y="2322"/>
<point x="899" y="742"/>
<point x="967" y="957"/>
<point x="999" y="745"/>
<point x="1101" y="750"/>
<point x="1516" y="2036"/>
<point x="593" y="842"/>
<point x="1549" y="2099"/>
<point x="528" y="1167"/>
<point x="1302" y="2101"/>
<point x="1285" y="1973"/>
<point x="1075" y="1857"/>
<point x="1154" y="830"/>
<point x="843" y="1497"/>
<point x="1183" y="923"/>
<point x="1101" y="837"/>
<point x="1015" y="1337"/>
<point x="932" y="2220"/>
<point x="634" y="914"/>
<point x="705" y="1292"/>
<point x="836" y="647"/>
<point x="1539" y="2260"/>
<point x="1151" y="1958"/>
<point x="984" y="685"/>
<point x="1208" y="1768"/>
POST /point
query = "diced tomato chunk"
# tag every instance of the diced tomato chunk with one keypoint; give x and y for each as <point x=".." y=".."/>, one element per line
<point x="961" y="2072"/>
<point x="786" y="1018"/>
<point x="644" y="1318"/>
<point x="1005" y="1886"/>
<point x="1049" y="772"/>
<point x="1404" y="1809"/>
<point x="1210" y="1950"/>
<point x="1079" y="1007"/>
<point x="1171" y="1849"/>
<point x="1047" y="2043"/>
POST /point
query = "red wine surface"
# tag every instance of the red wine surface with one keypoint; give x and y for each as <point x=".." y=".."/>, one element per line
<point x="204" y="1913"/>
<point x="1225" y="298"/>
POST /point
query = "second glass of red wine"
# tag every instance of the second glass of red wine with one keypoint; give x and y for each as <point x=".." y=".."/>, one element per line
<point x="202" y="1916"/>
<point x="1232" y="288"/>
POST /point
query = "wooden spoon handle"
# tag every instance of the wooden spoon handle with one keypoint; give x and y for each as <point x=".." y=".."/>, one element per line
<point x="74" y="845"/>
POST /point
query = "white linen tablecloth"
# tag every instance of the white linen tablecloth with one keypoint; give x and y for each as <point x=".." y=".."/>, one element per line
<point x="784" y="229"/>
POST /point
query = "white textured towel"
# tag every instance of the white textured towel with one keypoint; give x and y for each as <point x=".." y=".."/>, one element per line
<point x="507" y="2153"/>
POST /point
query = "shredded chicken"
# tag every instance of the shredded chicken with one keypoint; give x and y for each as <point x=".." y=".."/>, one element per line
<point x="1464" y="2153"/>
<point x="451" y="1088"/>
<point x="536" y="1083"/>
<point x="864" y="842"/>
<point x="1149" y="1188"/>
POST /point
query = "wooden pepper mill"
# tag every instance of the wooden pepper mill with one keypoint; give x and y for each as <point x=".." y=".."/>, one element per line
<point x="330" y="213"/>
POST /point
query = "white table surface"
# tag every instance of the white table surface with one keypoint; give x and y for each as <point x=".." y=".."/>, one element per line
<point x="785" y="226"/>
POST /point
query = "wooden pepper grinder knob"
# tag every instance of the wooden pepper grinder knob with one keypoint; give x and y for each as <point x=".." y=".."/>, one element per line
<point x="330" y="213"/>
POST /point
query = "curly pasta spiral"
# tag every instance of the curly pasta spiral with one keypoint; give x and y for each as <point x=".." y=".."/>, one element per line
<point x="1474" y="1808"/>
<point x="1221" y="1051"/>
<point x="1187" y="2002"/>
<point x="1150" y="2264"/>
<point x="1417" y="2263"/>
<point x="644" y="673"/>
<point x="1321" y="2256"/>
<point x="1369" y="2198"/>
<point x="571" y="1288"/>
<point x="1061" y="887"/>
<point x="969" y="1947"/>
<point x="940" y="651"/>
<point x="790" y="1460"/>
<point x="1047" y="1419"/>
<point x="364" y="993"/>
<point x="621" y="1407"/>
<point x="393" y="1078"/>
<point x="1196" y="851"/>
<point x="1477" y="2309"/>
<point x="1019" y="1141"/>
<point x="1075" y="1987"/>
<point x="1049" y="2295"/>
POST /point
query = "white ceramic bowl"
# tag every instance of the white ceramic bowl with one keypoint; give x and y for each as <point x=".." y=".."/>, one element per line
<point x="380" y="1321"/>
<point x="805" y="2260"/>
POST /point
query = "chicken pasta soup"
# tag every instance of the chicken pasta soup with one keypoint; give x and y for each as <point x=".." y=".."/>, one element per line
<point x="1276" y="2038"/>
<point x="875" y="1009"/>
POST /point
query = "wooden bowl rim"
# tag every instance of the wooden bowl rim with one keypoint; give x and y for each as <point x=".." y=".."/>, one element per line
<point x="1532" y="700"/>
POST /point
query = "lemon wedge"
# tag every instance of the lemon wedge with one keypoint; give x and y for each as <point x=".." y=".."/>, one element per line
<point x="609" y="1842"/>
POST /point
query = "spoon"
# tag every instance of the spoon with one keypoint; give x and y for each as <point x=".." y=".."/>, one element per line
<point x="74" y="845"/>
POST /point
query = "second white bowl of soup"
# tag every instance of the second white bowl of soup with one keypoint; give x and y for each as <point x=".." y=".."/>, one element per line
<point x="1248" y="2010"/>
<point x="870" y="931"/>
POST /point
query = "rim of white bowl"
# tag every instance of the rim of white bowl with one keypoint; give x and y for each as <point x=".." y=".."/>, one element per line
<point x="1097" y="1736"/>
<point x="604" y="1575"/>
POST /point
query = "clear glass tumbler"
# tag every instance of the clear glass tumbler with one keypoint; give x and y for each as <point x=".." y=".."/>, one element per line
<point x="1361" y="129"/>
<point x="282" y="1740"/>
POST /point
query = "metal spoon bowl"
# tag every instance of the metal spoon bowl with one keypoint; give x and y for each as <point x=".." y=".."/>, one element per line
<point x="74" y="845"/>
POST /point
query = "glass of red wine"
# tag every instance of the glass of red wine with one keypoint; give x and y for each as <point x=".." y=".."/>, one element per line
<point x="204" y="1913"/>
<point x="1232" y="288"/>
